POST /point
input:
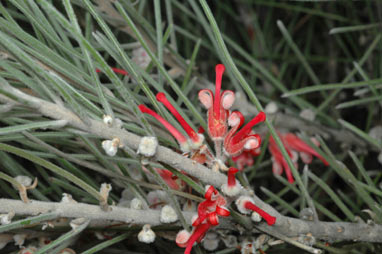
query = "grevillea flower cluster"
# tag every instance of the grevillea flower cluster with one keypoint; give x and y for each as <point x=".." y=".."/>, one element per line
<point x="225" y="128"/>
<point x="295" y="148"/>
<point x="231" y="138"/>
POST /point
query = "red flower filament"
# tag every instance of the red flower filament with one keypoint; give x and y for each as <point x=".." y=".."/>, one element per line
<point x="195" y="138"/>
<point x="174" y="132"/>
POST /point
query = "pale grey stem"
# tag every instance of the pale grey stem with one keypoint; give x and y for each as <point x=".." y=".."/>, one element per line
<point x="289" y="227"/>
<point x="81" y="210"/>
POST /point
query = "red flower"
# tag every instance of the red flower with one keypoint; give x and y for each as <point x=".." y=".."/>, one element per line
<point x="293" y="145"/>
<point x="246" y="158"/>
<point x="208" y="212"/>
<point x="217" y="107"/>
<point x="244" y="139"/>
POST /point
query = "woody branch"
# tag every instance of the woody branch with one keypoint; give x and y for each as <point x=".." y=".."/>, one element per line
<point x="286" y="225"/>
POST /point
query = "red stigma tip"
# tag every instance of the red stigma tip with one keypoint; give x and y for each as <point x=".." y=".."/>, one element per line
<point x="161" y="96"/>
<point x="219" y="68"/>
<point x="143" y="108"/>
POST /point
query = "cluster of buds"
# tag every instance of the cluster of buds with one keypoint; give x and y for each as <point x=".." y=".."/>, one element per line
<point x="208" y="216"/>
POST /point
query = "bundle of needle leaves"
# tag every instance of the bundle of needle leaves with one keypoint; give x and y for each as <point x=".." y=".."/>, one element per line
<point x="97" y="98"/>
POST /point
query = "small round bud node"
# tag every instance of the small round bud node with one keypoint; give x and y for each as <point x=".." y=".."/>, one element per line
<point x="168" y="214"/>
<point x="148" y="146"/>
<point x="255" y="217"/>
<point x="107" y="119"/>
<point x="136" y="204"/>
<point x="111" y="146"/>
<point x="271" y="108"/>
<point x="67" y="198"/>
<point x="24" y="180"/>
<point x="6" y="218"/>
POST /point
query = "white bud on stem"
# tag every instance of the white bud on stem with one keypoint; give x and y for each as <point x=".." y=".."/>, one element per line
<point x="107" y="119"/>
<point x="111" y="146"/>
<point x="148" y="146"/>
<point x="6" y="218"/>
<point x="256" y="217"/>
<point x="146" y="235"/>
<point x="136" y="204"/>
<point x="67" y="198"/>
<point x="168" y="214"/>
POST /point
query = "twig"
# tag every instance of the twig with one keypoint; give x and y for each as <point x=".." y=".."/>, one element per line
<point x="81" y="210"/>
<point x="290" y="240"/>
<point x="289" y="227"/>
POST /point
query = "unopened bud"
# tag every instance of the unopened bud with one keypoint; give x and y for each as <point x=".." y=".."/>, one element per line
<point x="136" y="204"/>
<point x="107" y="119"/>
<point x="307" y="114"/>
<point x="6" y="218"/>
<point x="19" y="239"/>
<point x="28" y="250"/>
<point x="111" y="146"/>
<point x="67" y="198"/>
<point x="168" y="214"/>
<point x="271" y="108"/>
<point x="75" y="223"/>
<point x="147" y="146"/>
<point x="24" y="180"/>
<point x="210" y="244"/>
<point x="146" y="235"/>
<point x="256" y="217"/>
<point x="376" y="133"/>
